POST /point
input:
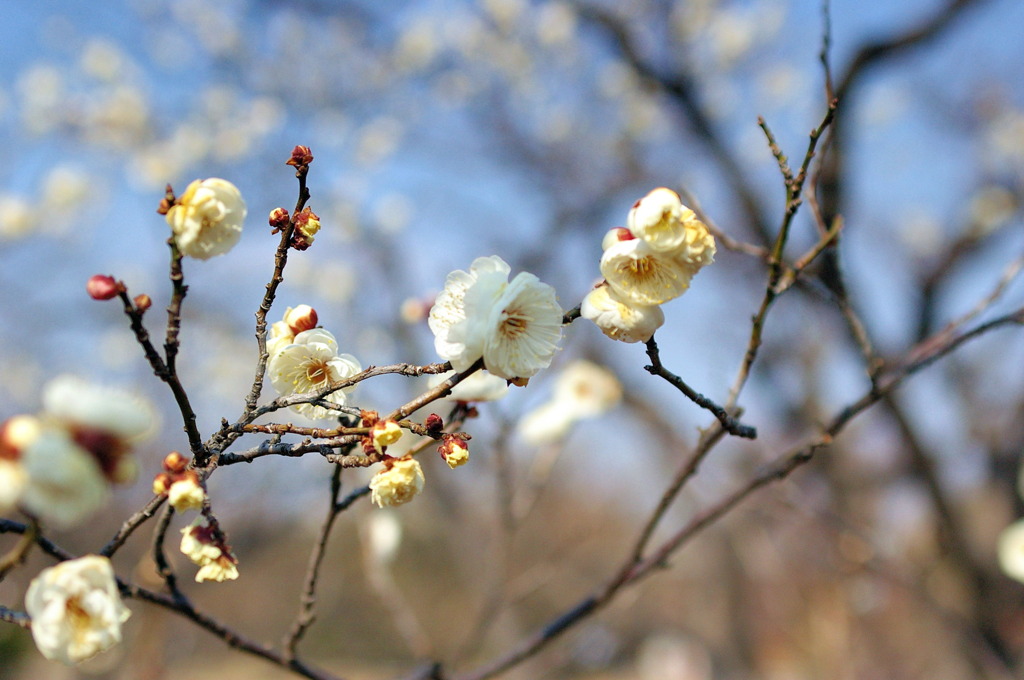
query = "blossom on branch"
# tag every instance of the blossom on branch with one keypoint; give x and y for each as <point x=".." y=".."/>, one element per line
<point x="76" y="609"/>
<point x="207" y="219"/>
<point x="399" y="482"/>
<point x="309" y="364"/>
<point x="514" y="326"/>
<point x="619" y="319"/>
<point x="205" y="544"/>
<point x="642" y="275"/>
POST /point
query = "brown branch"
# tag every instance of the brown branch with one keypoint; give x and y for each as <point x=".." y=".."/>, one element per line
<point x="778" y="470"/>
<point x="131" y="524"/>
<point x="307" y="600"/>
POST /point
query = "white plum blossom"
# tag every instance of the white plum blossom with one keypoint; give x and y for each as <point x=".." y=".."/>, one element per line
<point x="207" y="219"/>
<point x="456" y="338"/>
<point x="76" y="609"/>
<point x="309" y="364"/>
<point x="619" y="319"/>
<point x="513" y="325"/>
<point x="280" y="336"/>
<point x="65" y="483"/>
<point x="658" y="219"/>
<point x="644" y="276"/>
<point x="399" y="482"/>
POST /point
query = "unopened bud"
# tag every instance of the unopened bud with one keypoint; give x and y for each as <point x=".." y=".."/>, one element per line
<point x="301" y="155"/>
<point x="615" y="235"/>
<point x="307" y="224"/>
<point x="454" y="450"/>
<point x="102" y="287"/>
<point x="301" y="318"/>
<point x="434" y="424"/>
<point x="175" y="463"/>
<point x="278" y="219"/>
<point x="161" y="483"/>
<point x="15" y="434"/>
<point x="143" y="302"/>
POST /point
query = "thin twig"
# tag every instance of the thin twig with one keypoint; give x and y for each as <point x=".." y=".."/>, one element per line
<point x="731" y="425"/>
<point x="307" y="601"/>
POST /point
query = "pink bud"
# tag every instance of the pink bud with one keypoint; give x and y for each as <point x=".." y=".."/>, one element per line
<point x="102" y="287"/>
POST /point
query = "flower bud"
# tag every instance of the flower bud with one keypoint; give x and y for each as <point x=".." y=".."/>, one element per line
<point x="175" y="463"/>
<point x="434" y="424"/>
<point x="102" y="287"/>
<point x="143" y="302"/>
<point x="15" y="434"/>
<point x="278" y="219"/>
<point x="614" y="236"/>
<point x="454" y="450"/>
<point x="301" y="155"/>
<point x="161" y="484"/>
<point x="307" y="224"/>
<point x="301" y="318"/>
<point x="385" y="433"/>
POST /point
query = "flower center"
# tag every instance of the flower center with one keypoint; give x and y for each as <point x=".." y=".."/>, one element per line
<point x="515" y="324"/>
<point x="642" y="268"/>
<point x="317" y="372"/>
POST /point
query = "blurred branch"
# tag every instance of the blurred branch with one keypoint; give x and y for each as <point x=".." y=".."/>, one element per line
<point x="778" y="470"/>
<point x="681" y="89"/>
<point x="872" y="53"/>
<point x="307" y="600"/>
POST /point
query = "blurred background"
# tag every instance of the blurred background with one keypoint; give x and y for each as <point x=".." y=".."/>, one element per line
<point x="444" y="130"/>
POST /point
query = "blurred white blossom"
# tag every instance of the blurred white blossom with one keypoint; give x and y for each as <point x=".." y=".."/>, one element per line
<point x="1011" y="551"/>
<point x="582" y="390"/>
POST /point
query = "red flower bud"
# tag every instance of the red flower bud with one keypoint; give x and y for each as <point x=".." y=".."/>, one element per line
<point x="143" y="302"/>
<point x="301" y="155"/>
<point x="102" y="287"/>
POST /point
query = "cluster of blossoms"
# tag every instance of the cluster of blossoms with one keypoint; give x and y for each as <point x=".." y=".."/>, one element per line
<point x="304" y="359"/>
<point x="181" y="484"/>
<point x="647" y="264"/>
<point x="58" y="465"/>
<point x="582" y="390"/>
<point x="514" y="326"/>
<point x="205" y="544"/>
